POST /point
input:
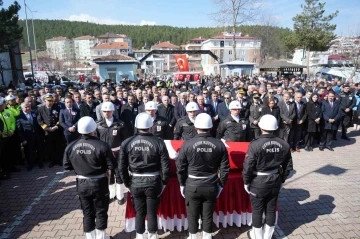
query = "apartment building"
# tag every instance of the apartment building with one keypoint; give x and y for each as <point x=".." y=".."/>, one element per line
<point x="109" y="48"/>
<point x="60" y="48"/>
<point x="195" y="59"/>
<point x="247" y="50"/>
<point x="83" y="45"/>
<point x="112" y="37"/>
<point x="152" y="65"/>
<point x="170" y="63"/>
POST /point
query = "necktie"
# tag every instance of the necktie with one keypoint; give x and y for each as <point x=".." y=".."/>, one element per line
<point x="70" y="112"/>
<point x="331" y="103"/>
<point x="227" y="106"/>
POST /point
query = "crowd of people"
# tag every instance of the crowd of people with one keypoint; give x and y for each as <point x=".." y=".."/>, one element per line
<point x="43" y="120"/>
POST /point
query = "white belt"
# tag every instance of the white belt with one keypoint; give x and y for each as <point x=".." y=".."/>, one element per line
<point x="145" y="174"/>
<point x="115" y="149"/>
<point x="275" y="171"/>
<point x="91" y="177"/>
<point x="201" y="177"/>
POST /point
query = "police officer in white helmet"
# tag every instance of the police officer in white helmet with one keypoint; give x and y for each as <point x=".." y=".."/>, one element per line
<point x="146" y="158"/>
<point x="90" y="158"/>
<point x="202" y="170"/>
<point x="267" y="164"/>
<point x="184" y="128"/>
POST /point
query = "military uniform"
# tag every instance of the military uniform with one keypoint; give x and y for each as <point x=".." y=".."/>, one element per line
<point x="231" y="130"/>
<point x="48" y="118"/>
<point x="266" y="166"/>
<point x="184" y="129"/>
<point x="255" y="114"/>
<point x="202" y="166"/>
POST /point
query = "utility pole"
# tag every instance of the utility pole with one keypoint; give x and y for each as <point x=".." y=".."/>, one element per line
<point x="28" y="37"/>
<point x="33" y="28"/>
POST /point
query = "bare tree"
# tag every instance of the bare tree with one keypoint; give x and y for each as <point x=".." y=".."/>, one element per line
<point x="234" y="13"/>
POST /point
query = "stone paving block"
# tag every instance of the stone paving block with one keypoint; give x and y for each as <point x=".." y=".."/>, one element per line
<point x="63" y="233"/>
<point x="350" y="234"/>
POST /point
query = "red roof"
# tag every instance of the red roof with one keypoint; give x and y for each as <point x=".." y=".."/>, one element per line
<point x="112" y="45"/>
<point x="338" y="57"/>
<point x="165" y="44"/>
<point x="115" y="57"/>
<point x="60" y="38"/>
<point x="87" y="37"/>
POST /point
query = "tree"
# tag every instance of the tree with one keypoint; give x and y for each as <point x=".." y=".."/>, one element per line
<point x="313" y="29"/>
<point x="10" y="31"/>
<point x="235" y="13"/>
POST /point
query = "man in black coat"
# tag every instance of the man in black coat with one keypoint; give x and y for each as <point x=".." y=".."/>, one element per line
<point x="30" y="136"/>
<point x="331" y="115"/>
<point x="89" y="107"/>
<point x="68" y="120"/>
<point x="347" y="103"/>
<point x="223" y="107"/>
<point x="298" y="123"/>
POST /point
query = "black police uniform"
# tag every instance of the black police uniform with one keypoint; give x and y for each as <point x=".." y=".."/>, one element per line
<point x="114" y="135"/>
<point x="255" y="114"/>
<point x="184" y="129"/>
<point x="144" y="154"/>
<point x="197" y="165"/>
<point x="90" y="158"/>
<point x="160" y="128"/>
<point x="271" y="155"/>
<point x="232" y="131"/>
<point x="347" y="100"/>
<point x="48" y="118"/>
<point x="128" y="115"/>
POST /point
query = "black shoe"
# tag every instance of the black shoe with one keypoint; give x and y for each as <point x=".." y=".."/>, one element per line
<point x="330" y="148"/>
<point x="306" y="149"/>
<point x="15" y="170"/>
<point x="248" y="234"/>
<point x="52" y="165"/>
<point x="40" y="165"/>
<point x="121" y="202"/>
<point x="345" y="137"/>
<point x="310" y="149"/>
<point x="29" y="168"/>
<point x="321" y="149"/>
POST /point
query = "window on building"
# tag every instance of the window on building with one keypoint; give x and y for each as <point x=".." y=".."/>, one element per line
<point x="242" y="59"/>
<point x="215" y="52"/>
<point x="99" y="53"/>
<point x="254" y="60"/>
<point x="229" y="43"/>
<point x="221" y="43"/>
<point x="230" y="52"/>
<point x="113" y="52"/>
<point x="255" y="52"/>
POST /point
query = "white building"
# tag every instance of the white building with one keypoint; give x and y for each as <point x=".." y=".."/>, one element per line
<point x="195" y="59"/>
<point x="112" y="37"/>
<point x="82" y="47"/>
<point x="170" y="63"/>
<point x="109" y="48"/>
<point x="60" y="48"/>
<point x="152" y="65"/>
<point x="342" y="45"/>
<point x="247" y="50"/>
<point x="316" y="58"/>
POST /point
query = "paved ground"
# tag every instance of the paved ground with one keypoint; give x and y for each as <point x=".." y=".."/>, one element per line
<point x="320" y="200"/>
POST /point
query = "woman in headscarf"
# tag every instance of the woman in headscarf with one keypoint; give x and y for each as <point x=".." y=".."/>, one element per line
<point x="314" y="114"/>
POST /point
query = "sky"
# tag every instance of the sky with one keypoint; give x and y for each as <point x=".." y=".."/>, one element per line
<point x="184" y="13"/>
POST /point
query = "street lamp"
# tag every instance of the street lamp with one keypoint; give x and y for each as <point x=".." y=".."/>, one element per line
<point x="33" y="28"/>
<point x="28" y="37"/>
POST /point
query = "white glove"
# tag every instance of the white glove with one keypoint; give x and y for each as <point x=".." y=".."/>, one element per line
<point x="162" y="190"/>
<point x="182" y="191"/>
<point x="247" y="188"/>
<point x="219" y="191"/>
<point x="223" y="140"/>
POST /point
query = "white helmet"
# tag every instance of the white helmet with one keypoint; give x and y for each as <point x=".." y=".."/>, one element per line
<point x="143" y="121"/>
<point x="107" y="106"/>
<point x="151" y="105"/>
<point x="192" y="106"/>
<point x="203" y="121"/>
<point x="10" y="97"/>
<point x="268" y="122"/>
<point x="234" y="105"/>
<point x="86" y="125"/>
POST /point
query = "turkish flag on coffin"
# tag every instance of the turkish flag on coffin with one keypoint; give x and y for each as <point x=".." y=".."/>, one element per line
<point x="182" y="62"/>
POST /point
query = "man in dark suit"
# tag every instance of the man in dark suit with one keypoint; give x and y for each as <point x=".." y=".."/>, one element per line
<point x="298" y="123"/>
<point x="77" y="100"/>
<point x="331" y="115"/>
<point x="89" y="107"/>
<point x="214" y="102"/>
<point x="166" y="110"/>
<point x="204" y="108"/>
<point x="129" y="111"/>
<point x="30" y="136"/>
<point x="223" y="107"/>
<point x="287" y="115"/>
<point x="180" y="107"/>
<point x="68" y="120"/>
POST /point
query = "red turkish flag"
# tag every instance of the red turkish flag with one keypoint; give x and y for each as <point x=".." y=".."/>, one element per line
<point x="182" y="62"/>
